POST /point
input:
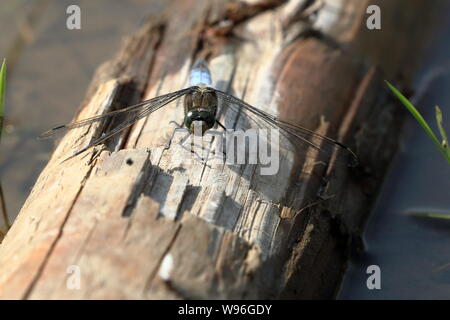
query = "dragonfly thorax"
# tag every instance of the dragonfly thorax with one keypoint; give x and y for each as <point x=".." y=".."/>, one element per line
<point x="200" y="112"/>
<point x="200" y="106"/>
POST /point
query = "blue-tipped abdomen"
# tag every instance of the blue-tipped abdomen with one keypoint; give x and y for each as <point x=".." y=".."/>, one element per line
<point x="200" y="74"/>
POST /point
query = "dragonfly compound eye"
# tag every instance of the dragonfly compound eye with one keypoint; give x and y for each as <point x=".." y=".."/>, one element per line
<point x="203" y="118"/>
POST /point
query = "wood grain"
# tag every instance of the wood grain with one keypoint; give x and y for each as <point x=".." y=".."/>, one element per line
<point x="141" y="221"/>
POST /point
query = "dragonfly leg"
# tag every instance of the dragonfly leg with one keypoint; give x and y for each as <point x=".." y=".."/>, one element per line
<point x="224" y="129"/>
<point x="221" y="125"/>
<point x="216" y="135"/>
<point x="176" y="123"/>
<point x="173" y="133"/>
<point x="182" y="141"/>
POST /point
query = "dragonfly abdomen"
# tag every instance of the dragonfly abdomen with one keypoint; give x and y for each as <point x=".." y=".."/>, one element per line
<point x="200" y="74"/>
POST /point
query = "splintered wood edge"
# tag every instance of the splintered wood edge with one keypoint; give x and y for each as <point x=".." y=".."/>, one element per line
<point x="97" y="212"/>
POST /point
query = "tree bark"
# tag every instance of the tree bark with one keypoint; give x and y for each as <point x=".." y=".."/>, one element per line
<point x="137" y="222"/>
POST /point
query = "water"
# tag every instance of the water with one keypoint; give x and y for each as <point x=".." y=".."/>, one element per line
<point x="50" y="70"/>
<point x="413" y="253"/>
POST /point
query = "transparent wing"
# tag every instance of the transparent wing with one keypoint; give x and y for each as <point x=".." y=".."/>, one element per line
<point x="134" y="113"/>
<point x="131" y="109"/>
<point x="291" y="131"/>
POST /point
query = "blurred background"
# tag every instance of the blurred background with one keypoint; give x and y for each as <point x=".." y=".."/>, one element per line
<point x="413" y="252"/>
<point x="50" y="68"/>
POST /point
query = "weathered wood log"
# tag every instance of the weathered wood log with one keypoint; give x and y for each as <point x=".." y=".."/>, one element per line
<point x="137" y="221"/>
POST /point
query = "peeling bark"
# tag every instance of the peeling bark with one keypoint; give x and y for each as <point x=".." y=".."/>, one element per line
<point x="142" y="223"/>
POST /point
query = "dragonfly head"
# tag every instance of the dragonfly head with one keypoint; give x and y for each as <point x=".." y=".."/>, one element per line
<point x="199" y="120"/>
<point x="200" y="107"/>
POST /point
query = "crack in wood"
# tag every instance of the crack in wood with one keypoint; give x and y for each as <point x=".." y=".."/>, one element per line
<point x="160" y="31"/>
<point x="151" y="277"/>
<point x="255" y="233"/>
<point x="47" y="256"/>
<point x="139" y="186"/>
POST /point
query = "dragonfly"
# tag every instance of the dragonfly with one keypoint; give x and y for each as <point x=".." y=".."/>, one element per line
<point x="201" y="101"/>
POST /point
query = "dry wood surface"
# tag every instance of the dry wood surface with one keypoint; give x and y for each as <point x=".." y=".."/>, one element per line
<point x="141" y="222"/>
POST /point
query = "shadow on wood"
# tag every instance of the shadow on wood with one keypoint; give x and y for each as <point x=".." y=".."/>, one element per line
<point x="141" y="223"/>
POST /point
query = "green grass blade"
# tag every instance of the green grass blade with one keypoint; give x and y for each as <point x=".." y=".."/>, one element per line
<point x="2" y="94"/>
<point x="443" y="216"/>
<point x="441" y="128"/>
<point x="419" y="119"/>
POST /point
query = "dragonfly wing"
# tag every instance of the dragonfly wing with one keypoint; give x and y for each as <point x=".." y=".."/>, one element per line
<point x="131" y="109"/>
<point x="144" y="109"/>
<point x="291" y="131"/>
